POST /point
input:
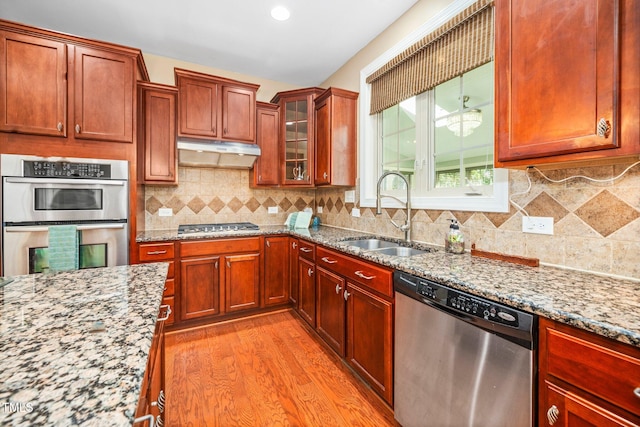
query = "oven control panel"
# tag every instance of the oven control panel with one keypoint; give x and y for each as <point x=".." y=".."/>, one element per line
<point x="46" y="169"/>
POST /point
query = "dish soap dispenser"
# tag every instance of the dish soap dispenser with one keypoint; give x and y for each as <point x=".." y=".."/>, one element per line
<point x="454" y="241"/>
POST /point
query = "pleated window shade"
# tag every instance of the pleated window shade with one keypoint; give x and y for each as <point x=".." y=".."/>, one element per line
<point x="462" y="44"/>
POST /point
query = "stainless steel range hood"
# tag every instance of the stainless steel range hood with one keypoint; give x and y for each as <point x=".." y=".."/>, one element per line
<point x="217" y="154"/>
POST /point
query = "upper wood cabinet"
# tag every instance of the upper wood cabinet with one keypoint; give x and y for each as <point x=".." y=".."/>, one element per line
<point x="157" y="159"/>
<point x="265" y="170"/>
<point x="58" y="85"/>
<point x="336" y="145"/>
<point x="217" y="108"/>
<point x="34" y="85"/>
<point x="567" y="76"/>
<point x="297" y="132"/>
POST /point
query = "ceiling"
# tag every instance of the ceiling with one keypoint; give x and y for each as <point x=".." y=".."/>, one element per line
<point x="236" y="35"/>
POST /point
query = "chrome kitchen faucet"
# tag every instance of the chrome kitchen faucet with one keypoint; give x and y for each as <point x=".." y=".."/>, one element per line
<point x="406" y="227"/>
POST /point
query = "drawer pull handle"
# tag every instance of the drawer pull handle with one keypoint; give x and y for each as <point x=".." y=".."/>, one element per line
<point x="309" y="271"/>
<point x="60" y="127"/>
<point x="329" y="260"/>
<point x="338" y="288"/>
<point x="156" y="253"/>
<point x="552" y="415"/>
<point x="166" y="316"/>
<point x="268" y="244"/>
<point x="637" y="392"/>
<point x="306" y="249"/>
<point x="228" y="264"/>
<point x="78" y="128"/>
<point x="361" y="275"/>
<point x="603" y="128"/>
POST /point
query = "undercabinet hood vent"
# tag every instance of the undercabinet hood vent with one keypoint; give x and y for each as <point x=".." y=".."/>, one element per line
<point x="217" y="154"/>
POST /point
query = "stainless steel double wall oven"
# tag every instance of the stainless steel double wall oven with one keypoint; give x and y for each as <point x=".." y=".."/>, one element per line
<point x="37" y="193"/>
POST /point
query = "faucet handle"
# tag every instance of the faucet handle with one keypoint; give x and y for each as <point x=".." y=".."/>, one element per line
<point x="396" y="225"/>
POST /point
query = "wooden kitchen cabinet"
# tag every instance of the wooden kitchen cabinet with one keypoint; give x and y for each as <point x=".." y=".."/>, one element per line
<point x="242" y="282"/>
<point x="559" y="105"/>
<point x="365" y="336"/>
<point x="200" y="287"/>
<point x="212" y="107"/>
<point x="307" y="281"/>
<point x="586" y="379"/>
<point x="336" y="134"/>
<point x="294" y="284"/>
<point x="276" y="271"/>
<point x="157" y="160"/>
<point x="33" y="78"/>
<point x="162" y="252"/>
<point x="265" y="170"/>
<point x="297" y="134"/>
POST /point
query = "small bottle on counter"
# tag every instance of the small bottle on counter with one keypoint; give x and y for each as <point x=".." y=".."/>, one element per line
<point x="454" y="240"/>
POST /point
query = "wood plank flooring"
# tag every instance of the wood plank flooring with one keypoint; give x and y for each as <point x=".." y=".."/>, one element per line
<point x="266" y="370"/>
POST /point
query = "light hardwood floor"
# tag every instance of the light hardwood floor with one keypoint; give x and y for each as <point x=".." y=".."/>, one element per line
<point x="266" y="370"/>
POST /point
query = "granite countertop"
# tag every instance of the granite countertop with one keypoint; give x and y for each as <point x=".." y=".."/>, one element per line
<point x="56" y="369"/>
<point x="605" y="305"/>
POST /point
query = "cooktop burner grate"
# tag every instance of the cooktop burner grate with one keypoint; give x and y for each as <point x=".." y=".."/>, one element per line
<point x="213" y="228"/>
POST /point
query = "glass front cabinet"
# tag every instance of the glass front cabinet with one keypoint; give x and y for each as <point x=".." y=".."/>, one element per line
<point x="297" y="130"/>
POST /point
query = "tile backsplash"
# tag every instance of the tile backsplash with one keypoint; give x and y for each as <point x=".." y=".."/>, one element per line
<point x="596" y="225"/>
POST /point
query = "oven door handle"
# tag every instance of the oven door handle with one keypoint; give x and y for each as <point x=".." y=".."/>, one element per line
<point x="46" y="180"/>
<point x="44" y="228"/>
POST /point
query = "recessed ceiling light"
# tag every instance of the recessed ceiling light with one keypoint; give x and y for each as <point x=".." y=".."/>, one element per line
<point x="280" y="13"/>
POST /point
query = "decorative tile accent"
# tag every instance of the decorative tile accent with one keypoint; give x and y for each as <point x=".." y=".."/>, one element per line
<point x="497" y="218"/>
<point x="235" y="205"/>
<point x="285" y="204"/>
<point x="329" y="204"/>
<point x="196" y="204"/>
<point x="153" y="205"/>
<point x="253" y="204"/>
<point x="321" y="202"/>
<point x="462" y="216"/>
<point x="269" y="203"/>
<point x="339" y="205"/>
<point x="545" y="205"/>
<point x="391" y="212"/>
<point x="434" y="214"/>
<point x="175" y="204"/>
<point x="605" y="213"/>
<point x="300" y="204"/>
<point x="216" y="205"/>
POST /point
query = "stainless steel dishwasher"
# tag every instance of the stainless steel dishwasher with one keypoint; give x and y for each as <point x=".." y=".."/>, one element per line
<point x="460" y="360"/>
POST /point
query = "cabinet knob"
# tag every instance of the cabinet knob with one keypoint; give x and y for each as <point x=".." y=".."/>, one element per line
<point x="228" y="264"/>
<point x="324" y="175"/>
<point x="268" y="244"/>
<point x="603" y="128"/>
<point x="259" y="177"/>
<point x="294" y="245"/>
<point x="552" y="415"/>
<point x="60" y="127"/>
<point x="224" y="131"/>
<point x="309" y="271"/>
<point x="167" y="314"/>
<point x="216" y="265"/>
<point x="637" y="392"/>
<point x="77" y="128"/>
<point x="213" y="129"/>
<point x="338" y="288"/>
<point x="346" y="295"/>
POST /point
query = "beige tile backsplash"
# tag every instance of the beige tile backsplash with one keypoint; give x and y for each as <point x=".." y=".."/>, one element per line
<point x="596" y="225"/>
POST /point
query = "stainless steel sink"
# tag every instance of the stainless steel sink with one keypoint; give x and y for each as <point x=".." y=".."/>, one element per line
<point x="400" y="251"/>
<point x="370" y="244"/>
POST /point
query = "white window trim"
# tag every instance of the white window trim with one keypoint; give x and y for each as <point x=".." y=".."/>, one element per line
<point x="499" y="202"/>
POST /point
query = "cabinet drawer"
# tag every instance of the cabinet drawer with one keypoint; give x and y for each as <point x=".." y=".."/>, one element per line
<point x="222" y="246"/>
<point x="169" y="288"/>
<point x="171" y="302"/>
<point x="307" y="250"/>
<point x="170" y="272"/>
<point x="610" y="371"/>
<point x="373" y="276"/>
<point x="155" y="251"/>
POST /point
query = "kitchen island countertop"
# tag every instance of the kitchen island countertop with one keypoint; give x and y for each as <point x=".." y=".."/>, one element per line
<point x="602" y="304"/>
<point x="75" y="345"/>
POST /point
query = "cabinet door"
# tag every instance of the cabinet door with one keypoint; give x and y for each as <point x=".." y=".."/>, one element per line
<point x="159" y="140"/>
<point x="103" y="98"/>
<point x="323" y="142"/>
<point x="198" y="104"/>
<point x="330" y="303"/>
<point x="294" y="285"/>
<point x="297" y="146"/>
<point x="565" y="409"/>
<point x="549" y="97"/>
<point x="307" y="302"/>
<point x="199" y="287"/>
<point x="370" y="354"/>
<point x="238" y="114"/>
<point x="276" y="270"/>
<point x="33" y="85"/>
<point x="265" y="170"/>
<point x="242" y="282"/>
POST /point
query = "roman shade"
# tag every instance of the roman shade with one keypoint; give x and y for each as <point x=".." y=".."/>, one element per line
<point x="462" y="44"/>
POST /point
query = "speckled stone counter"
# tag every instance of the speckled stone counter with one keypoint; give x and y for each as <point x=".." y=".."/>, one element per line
<point x="55" y="368"/>
<point x="600" y="304"/>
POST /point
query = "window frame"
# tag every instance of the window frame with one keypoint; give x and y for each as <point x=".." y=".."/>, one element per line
<point x="369" y="146"/>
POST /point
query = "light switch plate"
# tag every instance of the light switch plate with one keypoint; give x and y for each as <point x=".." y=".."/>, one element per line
<point x="537" y="224"/>
<point x="319" y="209"/>
<point x="350" y="196"/>
<point x="165" y="212"/>
<point x="355" y="212"/>
<point x="273" y="209"/>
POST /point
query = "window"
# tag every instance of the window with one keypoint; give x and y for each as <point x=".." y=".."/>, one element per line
<point x="442" y="140"/>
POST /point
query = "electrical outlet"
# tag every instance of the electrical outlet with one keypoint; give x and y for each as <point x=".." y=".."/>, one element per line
<point x="273" y="209"/>
<point x="319" y="209"/>
<point x="537" y="224"/>
<point x="355" y="212"/>
<point x="350" y="196"/>
<point x="165" y="212"/>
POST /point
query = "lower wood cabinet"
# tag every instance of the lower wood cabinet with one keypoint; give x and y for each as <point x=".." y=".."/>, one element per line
<point x="276" y="271"/>
<point x="307" y="280"/>
<point x="162" y="252"/>
<point x="586" y="379"/>
<point x="294" y="287"/>
<point x="331" y="315"/>
<point x="242" y="282"/>
<point x="200" y="287"/>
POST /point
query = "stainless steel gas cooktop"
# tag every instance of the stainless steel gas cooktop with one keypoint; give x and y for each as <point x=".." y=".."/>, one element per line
<point x="187" y="229"/>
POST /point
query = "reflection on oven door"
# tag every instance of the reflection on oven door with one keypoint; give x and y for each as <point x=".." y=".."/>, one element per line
<point x="101" y="245"/>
